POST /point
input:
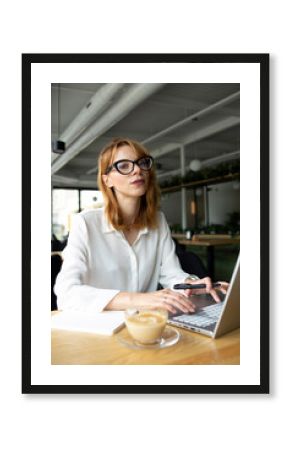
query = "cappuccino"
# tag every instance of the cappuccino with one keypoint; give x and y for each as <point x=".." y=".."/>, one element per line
<point x="146" y="327"/>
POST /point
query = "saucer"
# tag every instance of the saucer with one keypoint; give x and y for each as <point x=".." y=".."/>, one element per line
<point x="170" y="336"/>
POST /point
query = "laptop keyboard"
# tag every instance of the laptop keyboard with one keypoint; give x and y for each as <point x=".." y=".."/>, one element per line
<point x="205" y="317"/>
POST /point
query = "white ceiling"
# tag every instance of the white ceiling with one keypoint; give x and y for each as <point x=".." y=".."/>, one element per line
<point x="210" y="112"/>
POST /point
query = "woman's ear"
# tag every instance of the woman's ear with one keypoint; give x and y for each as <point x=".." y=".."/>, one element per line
<point x="107" y="181"/>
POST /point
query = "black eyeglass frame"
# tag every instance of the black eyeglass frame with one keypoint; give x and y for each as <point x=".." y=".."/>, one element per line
<point x="115" y="165"/>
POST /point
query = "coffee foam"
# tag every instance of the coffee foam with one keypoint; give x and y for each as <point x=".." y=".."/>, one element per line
<point x="147" y="318"/>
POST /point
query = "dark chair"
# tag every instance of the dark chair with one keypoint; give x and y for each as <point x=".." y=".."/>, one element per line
<point x="189" y="261"/>
<point x="57" y="245"/>
<point x="56" y="263"/>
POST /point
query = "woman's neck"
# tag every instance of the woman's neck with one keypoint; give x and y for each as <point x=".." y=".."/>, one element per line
<point x="129" y="209"/>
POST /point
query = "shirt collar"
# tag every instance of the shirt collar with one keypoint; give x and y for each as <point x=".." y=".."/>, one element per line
<point x="108" y="228"/>
<point x="143" y="231"/>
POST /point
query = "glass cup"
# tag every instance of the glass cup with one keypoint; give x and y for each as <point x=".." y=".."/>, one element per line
<point x="146" y="326"/>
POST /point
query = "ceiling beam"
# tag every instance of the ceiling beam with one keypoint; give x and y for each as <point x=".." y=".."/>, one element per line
<point x="198" y="135"/>
<point x="58" y="180"/>
<point x="209" y="109"/>
<point x="135" y="95"/>
<point x="220" y="158"/>
<point x="210" y="130"/>
<point x="93" y="108"/>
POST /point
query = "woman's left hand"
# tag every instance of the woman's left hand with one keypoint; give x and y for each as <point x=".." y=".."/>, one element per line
<point x="209" y="288"/>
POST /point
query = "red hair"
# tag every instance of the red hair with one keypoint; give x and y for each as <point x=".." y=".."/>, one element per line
<point x="149" y="204"/>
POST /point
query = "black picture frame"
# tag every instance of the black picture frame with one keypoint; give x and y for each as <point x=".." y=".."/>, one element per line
<point x="263" y="61"/>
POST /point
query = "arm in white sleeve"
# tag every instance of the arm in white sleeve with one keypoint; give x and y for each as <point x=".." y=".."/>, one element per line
<point x="71" y="288"/>
<point x="171" y="272"/>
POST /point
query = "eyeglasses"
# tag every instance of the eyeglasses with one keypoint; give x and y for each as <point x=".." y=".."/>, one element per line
<point x="126" y="166"/>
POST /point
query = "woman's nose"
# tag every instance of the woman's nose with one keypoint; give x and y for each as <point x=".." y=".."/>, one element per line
<point x="136" y="169"/>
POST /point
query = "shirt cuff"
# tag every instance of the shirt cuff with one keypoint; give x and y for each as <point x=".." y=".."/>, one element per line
<point x="194" y="277"/>
<point x="86" y="298"/>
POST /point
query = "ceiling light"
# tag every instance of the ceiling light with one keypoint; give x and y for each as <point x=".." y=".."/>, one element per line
<point x="195" y="165"/>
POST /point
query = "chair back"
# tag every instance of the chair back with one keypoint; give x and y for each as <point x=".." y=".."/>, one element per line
<point x="56" y="263"/>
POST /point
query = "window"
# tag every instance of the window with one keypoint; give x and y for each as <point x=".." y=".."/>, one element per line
<point x="65" y="203"/>
<point x="91" y="199"/>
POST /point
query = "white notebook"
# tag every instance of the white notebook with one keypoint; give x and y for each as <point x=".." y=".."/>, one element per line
<point x="106" y="322"/>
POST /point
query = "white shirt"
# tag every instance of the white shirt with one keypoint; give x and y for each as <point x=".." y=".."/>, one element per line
<point x="99" y="262"/>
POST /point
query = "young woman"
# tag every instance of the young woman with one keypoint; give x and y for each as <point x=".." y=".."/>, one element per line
<point x="116" y="256"/>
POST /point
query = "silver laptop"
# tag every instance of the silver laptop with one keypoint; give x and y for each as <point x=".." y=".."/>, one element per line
<point x="211" y="318"/>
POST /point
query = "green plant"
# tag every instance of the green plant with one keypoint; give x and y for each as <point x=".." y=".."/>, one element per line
<point x="203" y="174"/>
<point x="233" y="222"/>
<point x="176" y="228"/>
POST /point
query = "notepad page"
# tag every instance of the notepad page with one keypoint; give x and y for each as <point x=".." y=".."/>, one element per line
<point x="106" y="322"/>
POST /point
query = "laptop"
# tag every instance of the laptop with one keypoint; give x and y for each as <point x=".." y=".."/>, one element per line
<point x="211" y="318"/>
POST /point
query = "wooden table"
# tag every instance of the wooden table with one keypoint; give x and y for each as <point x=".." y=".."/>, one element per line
<point x="210" y="243"/>
<point x="69" y="347"/>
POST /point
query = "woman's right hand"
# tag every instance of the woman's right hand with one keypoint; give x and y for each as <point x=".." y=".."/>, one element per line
<point x="165" y="298"/>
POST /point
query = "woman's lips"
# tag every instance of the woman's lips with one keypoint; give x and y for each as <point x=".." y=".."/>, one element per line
<point x="138" y="182"/>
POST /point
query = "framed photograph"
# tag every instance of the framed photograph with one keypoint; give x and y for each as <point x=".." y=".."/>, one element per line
<point x="204" y="119"/>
